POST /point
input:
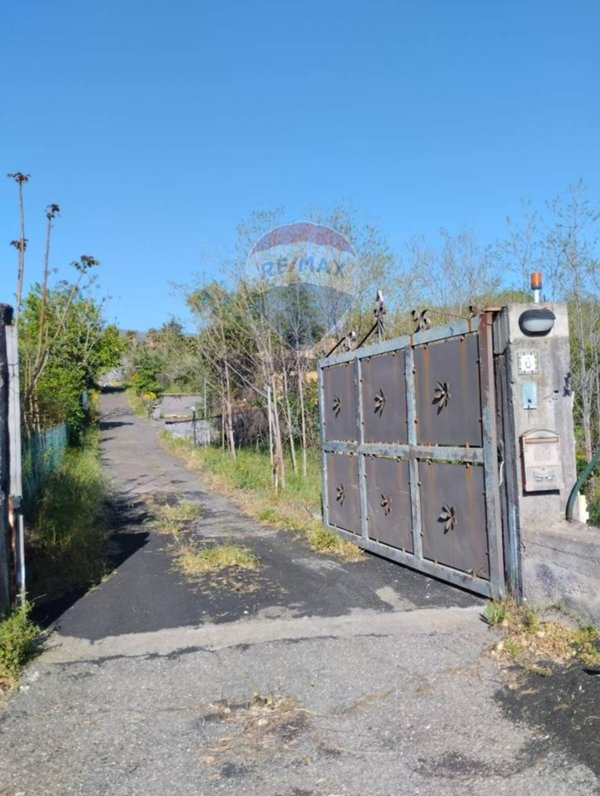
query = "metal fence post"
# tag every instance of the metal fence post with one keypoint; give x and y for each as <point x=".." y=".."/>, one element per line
<point x="16" y="459"/>
<point x="6" y="315"/>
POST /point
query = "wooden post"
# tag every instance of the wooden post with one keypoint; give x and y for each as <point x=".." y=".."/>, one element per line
<point x="6" y="316"/>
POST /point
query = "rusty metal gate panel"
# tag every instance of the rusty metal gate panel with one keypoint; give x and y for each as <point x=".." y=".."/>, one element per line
<point x="388" y="502"/>
<point x="339" y="404"/>
<point x="453" y="516"/>
<point x="410" y="457"/>
<point x="383" y="385"/>
<point x="342" y="496"/>
<point x="447" y="392"/>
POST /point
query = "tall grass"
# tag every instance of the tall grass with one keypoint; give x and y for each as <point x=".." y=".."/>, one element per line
<point x="250" y="471"/>
<point x="136" y="402"/>
<point x="67" y="542"/>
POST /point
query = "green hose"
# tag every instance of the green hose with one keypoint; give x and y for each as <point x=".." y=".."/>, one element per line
<point x="579" y="483"/>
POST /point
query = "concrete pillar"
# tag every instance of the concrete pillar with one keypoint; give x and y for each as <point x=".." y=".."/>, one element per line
<point x="542" y="407"/>
<point x="559" y="560"/>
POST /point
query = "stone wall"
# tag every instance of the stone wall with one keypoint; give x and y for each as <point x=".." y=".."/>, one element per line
<point x="178" y="405"/>
<point x="204" y="433"/>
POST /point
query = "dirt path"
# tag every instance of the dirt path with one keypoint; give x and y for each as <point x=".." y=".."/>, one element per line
<point x="327" y="678"/>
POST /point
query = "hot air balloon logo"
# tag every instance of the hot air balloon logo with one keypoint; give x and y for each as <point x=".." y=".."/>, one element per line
<point x="304" y="276"/>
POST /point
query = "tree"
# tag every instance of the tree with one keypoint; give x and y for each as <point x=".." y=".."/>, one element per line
<point x="21" y="243"/>
<point x="258" y="339"/>
<point x="78" y="347"/>
<point x="574" y="274"/>
<point x="452" y="276"/>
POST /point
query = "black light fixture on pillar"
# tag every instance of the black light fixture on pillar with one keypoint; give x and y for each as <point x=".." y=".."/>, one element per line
<point x="539" y="321"/>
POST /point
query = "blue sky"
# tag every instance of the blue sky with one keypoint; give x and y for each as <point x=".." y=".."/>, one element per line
<point x="158" y="126"/>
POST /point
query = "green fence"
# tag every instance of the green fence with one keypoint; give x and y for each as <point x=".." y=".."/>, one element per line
<point x="42" y="454"/>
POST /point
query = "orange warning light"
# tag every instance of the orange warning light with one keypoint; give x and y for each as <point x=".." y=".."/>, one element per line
<point x="536" y="280"/>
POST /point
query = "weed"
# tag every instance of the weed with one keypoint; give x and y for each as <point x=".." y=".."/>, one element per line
<point x="495" y="612"/>
<point x="267" y="515"/>
<point x="142" y="405"/>
<point x="322" y="540"/>
<point x="136" y="403"/>
<point x="172" y="519"/>
<point x="513" y="648"/>
<point x="530" y="640"/>
<point x="194" y="562"/>
<point x="530" y="619"/>
<point x="586" y="643"/>
<point x="18" y="636"/>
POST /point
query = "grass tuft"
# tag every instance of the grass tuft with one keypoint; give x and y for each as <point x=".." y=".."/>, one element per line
<point x="173" y="519"/>
<point x="495" y="612"/>
<point x="322" y="540"/>
<point x="18" y="644"/>
<point x="529" y="640"/>
<point x="194" y="562"/>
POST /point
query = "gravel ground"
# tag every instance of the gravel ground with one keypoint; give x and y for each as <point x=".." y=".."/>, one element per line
<point x="329" y="678"/>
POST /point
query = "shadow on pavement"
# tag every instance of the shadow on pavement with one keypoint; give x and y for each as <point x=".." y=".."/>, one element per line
<point x="106" y="424"/>
<point x="122" y="544"/>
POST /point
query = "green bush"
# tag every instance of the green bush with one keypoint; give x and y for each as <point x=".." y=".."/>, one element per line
<point x="18" y="635"/>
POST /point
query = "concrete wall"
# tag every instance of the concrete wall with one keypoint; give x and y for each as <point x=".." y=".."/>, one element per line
<point x="561" y="566"/>
<point x="206" y="430"/>
<point x="178" y="405"/>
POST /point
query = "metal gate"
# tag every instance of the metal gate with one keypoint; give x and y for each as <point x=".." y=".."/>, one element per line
<point x="410" y="462"/>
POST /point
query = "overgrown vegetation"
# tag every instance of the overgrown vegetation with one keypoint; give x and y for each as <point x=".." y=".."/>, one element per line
<point x="65" y="345"/>
<point x="171" y="519"/>
<point x="18" y="644"/>
<point x="195" y="561"/>
<point x="78" y="347"/>
<point x="67" y="543"/>
<point x="535" y="643"/>
<point x="141" y="404"/>
<point x="247" y="481"/>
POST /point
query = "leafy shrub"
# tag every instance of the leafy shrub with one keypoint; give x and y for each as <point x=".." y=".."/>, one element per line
<point x="18" y="637"/>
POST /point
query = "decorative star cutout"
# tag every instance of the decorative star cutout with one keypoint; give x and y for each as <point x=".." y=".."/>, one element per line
<point x="379" y="402"/>
<point x="336" y="406"/>
<point x="441" y="395"/>
<point x="448" y="517"/>
<point x="386" y="504"/>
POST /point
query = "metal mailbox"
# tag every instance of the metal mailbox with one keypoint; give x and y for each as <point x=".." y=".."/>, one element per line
<point x="542" y="467"/>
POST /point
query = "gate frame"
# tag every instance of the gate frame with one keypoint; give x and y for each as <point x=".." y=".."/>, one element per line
<point x="487" y="455"/>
